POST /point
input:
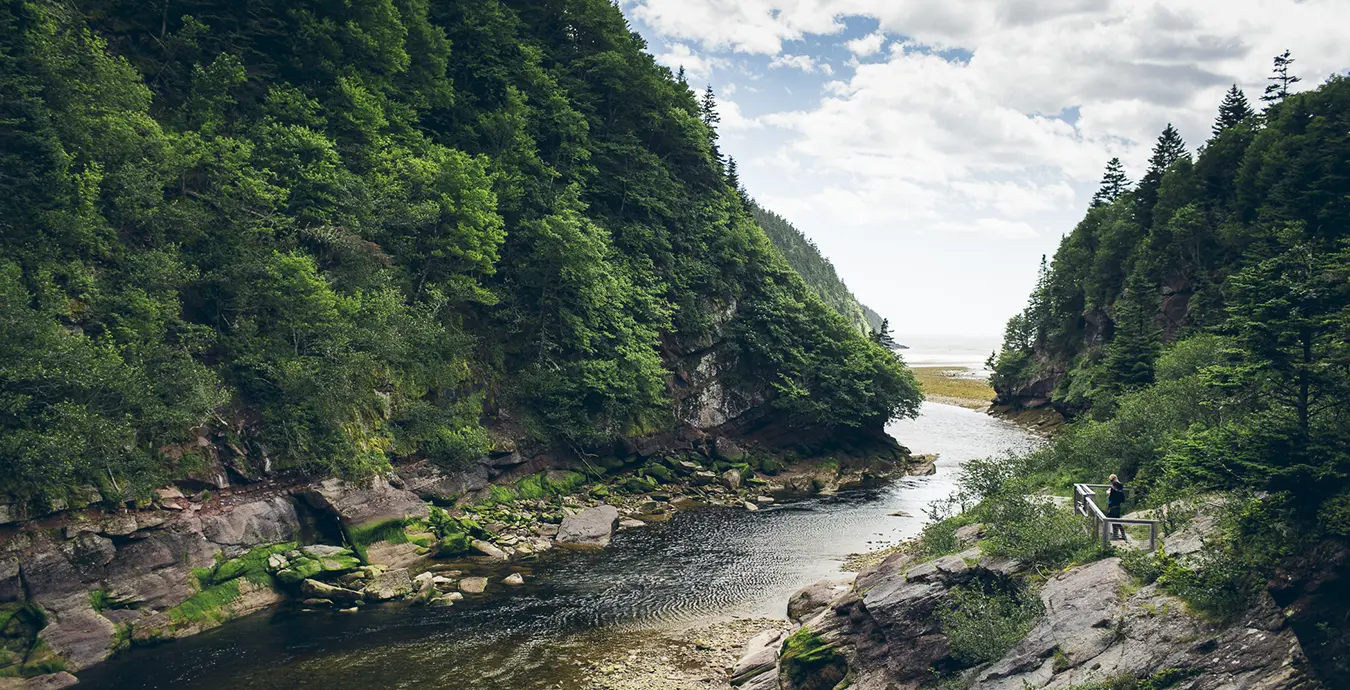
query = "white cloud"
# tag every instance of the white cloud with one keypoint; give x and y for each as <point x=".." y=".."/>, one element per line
<point x="732" y="118"/>
<point x="867" y="45"/>
<point x="987" y="118"/>
<point x="698" y="67"/>
<point x="805" y="63"/>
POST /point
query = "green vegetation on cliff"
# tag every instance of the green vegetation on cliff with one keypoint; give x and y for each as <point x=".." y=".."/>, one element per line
<point x="805" y="258"/>
<point x="337" y="233"/>
<point x="1198" y="327"/>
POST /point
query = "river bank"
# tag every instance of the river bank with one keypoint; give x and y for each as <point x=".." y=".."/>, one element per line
<point x="700" y="568"/>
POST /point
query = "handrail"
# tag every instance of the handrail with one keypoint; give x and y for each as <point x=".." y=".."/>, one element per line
<point x="1083" y="504"/>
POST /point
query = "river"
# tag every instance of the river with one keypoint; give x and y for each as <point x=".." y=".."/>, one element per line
<point x="699" y="567"/>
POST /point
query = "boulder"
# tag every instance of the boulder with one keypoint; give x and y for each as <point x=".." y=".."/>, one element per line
<point x="591" y="527"/>
<point x="489" y="550"/>
<point x="726" y="449"/>
<point x="750" y="506"/>
<point x="514" y="579"/>
<point x="76" y="632"/>
<point x="731" y="479"/>
<point x="312" y="561"/>
<point x="390" y="584"/>
<point x="322" y="590"/>
<point x="814" y="598"/>
<point x="473" y="585"/>
<point x="703" y="478"/>
<point x="365" y="503"/>
<point x="630" y="523"/>
<point x="433" y="484"/>
<point x="759" y="656"/>
<point x="244" y="526"/>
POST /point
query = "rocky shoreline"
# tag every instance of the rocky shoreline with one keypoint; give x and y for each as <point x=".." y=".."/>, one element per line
<point x="882" y="631"/>
<point x="81" y="584"/>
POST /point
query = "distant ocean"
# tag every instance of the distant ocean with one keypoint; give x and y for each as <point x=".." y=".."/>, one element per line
<point x="948" y="350"/>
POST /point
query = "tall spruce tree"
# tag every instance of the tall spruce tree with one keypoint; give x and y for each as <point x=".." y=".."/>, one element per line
<point x="708" y="113"/>
<point x="1135" y="345"/>
<point x="1233" y="110"/>
<point x="1280" y="80"/>
<point x="1114" y="183"/>
<point x="1169" y="148"/>
<point x="882" y="335"/>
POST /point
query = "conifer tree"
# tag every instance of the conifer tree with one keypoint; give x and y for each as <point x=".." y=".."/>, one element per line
<point x="1169" y="148"/>
<point x="679" y="75"/>
<point x="708" y="109"/>
<point x="1233" y="110"/>
<point x="708" y="112"/>
<point x="733" y="178"/>
<point x="1114" y="183"/>
<point x="1134" y="348"/>
<point x="1280" y="80"/>
<point x="882" y="336"/>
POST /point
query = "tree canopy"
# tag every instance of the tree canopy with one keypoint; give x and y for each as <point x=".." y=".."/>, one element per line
<point x="322" y="236"/>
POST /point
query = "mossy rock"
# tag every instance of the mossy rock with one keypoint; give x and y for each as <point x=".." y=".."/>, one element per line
<point x="658" y="472"/>
<point x="641" y="484"/>
<point x="453" y="545"/>
<point x="771" y="466"/>
<point x="600" y="491"/>
<point x="808" y="662"/>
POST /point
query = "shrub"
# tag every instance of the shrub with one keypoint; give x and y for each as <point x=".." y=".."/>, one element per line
<point x="983" y="621"/>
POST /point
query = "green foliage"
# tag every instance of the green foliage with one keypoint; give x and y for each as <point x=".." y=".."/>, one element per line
<point x="1161" y="680"/>
<point x="982" y="621"/>
<point x="354" y="232"/>
<point x="816" y="271"/>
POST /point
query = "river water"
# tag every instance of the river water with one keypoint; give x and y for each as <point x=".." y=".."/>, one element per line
<point x="699" y="567"/>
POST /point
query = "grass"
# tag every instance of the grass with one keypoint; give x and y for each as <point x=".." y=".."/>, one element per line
<point x="952" y="386"/>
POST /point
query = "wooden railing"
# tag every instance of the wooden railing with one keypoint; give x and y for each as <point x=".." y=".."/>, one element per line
<point x="1084" y="504"/>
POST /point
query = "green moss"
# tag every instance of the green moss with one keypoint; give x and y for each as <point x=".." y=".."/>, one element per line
<point x="207" y="605"/>
<point x="392" y="531"/>
<point x="253" y="563"/>
<point x="501" y="494"/>
<point x="807" y="655"/>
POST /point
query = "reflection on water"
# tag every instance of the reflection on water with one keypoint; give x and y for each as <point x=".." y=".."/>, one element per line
<point x="697" y="567"/>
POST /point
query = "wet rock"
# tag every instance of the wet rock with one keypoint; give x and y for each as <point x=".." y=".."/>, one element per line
<point x="322" y="590"/>
<point x="591" y="527"/>
<point x="514" y="579"/>
<point x="703" y="478"/>
<point x="318" y="602"/>
<point x="489" y="550"/>
<point x="473" y="585"/>
<point x="750" y="506"/>
<point x="630" y="523"/>
<point x="311" y="562"/>
<point x="760" y="656"/>
<point x="391" y="584"/>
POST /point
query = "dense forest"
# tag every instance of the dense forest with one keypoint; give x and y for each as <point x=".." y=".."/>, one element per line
<point x="1196" y="326"/>
<point x="343" y="233"/>
<point x="805" y="258"/>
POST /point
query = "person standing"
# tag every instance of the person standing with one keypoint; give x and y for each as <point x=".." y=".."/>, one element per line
<point x="1115" y="500"/>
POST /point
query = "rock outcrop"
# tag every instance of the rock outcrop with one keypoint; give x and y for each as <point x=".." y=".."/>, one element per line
<point x="1097" y="625"/>
<point x="592" y="527"/>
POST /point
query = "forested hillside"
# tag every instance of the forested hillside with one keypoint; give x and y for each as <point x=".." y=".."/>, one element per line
<point x="806" y="259"/>
<point x="338" y="234"/>
<point x="1197" y="325"/>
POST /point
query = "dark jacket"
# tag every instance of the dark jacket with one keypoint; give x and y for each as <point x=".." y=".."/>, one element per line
<point x="1115" y="496"/>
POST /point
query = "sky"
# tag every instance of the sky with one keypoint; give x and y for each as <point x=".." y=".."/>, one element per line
<point x="936" y="149"/>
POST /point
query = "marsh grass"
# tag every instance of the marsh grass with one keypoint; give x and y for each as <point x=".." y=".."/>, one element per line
<point x="952" y="385"/>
